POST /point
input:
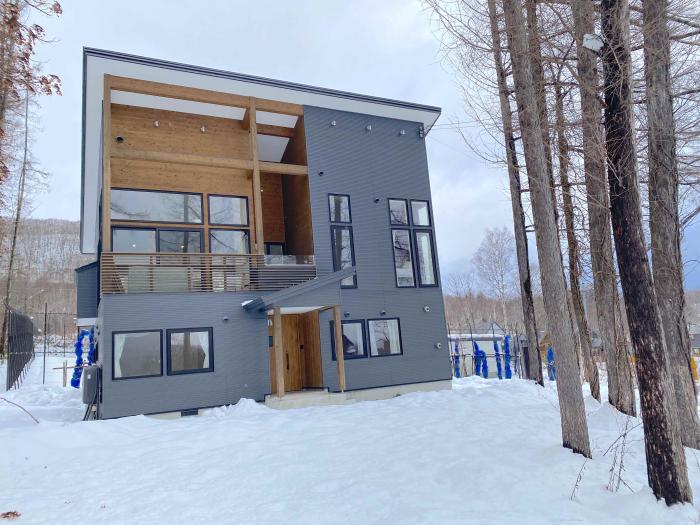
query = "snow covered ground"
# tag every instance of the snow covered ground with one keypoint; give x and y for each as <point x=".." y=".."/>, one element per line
<point x="486" y="452"/>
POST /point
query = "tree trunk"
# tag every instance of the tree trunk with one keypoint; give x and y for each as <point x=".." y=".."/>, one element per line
<point x="573" y="415"/>
<point x="619" y="371"/>
<point x="533" y="360"/>
<point x="590" y="368"/>
<point x="666" y="467"/>
<point x="663" y="215"/>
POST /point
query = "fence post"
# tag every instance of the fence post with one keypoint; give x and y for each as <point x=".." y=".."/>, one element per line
<point x="46" y="315"/>
<point x="65" y="373"/>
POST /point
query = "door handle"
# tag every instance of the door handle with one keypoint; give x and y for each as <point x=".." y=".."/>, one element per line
<point x="287" y="356"/>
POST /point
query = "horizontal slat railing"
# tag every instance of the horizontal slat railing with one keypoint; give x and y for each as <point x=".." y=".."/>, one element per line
<point x="201" y="272"/>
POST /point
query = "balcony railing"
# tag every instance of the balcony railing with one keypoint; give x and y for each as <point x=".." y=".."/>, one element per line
<point x="201" y="272"/>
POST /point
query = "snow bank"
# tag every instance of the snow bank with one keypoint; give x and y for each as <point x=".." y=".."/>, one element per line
<point x="486" y="452"/>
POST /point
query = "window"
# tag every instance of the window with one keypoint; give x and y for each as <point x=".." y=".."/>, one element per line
<point x="420" y="213"/>
<point x="274" y="248"/>
<point x="133" y="240"/>
<point x="384" y="337"/>
<point x="180" y="241"/>
<point x="156" y="206"/>
<point x="231" y="211"/>
<point x="343" y="252"/>
<point x="353" y="339"/>
<point x="136" y="354"/>
<point x="403" y="258"/>
<point x="398" y="212"/>
<point x="190" y="351"/>
<point x="426" y="258"/>
<point x="229" y="241"/>
<point x="339" y="208"/>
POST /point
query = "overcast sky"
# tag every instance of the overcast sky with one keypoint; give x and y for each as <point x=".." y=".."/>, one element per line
<point x="385" y="48"/>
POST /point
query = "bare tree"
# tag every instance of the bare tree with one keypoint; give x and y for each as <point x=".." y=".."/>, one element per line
<point x="666" y="466"/>
<point x="573" y="416"/>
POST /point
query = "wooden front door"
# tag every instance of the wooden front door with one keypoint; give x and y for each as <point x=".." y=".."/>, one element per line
<point x="293" y="359"/>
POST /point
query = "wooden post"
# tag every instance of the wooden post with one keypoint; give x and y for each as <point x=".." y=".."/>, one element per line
<point x="65" y="373"/>
<point x="339" y="354"/>
<point x="106" y="163"/>
<point x="257" y="188"/>
<point x="279" y="357"/>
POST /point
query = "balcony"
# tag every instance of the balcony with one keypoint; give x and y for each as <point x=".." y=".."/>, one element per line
<point x="201" y="272"/>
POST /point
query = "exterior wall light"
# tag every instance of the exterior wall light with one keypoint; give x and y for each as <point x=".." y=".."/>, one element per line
<point x="119" y="139"/>
<point x="438" y="345"/>
<point x="426" y="308"/>
<point x="333" y="122"/>
<point x="402" y="132"/>
<point x="383" y="312"/>
<point x="346" y="314"/>
<point x="368" y="127"/>
<point x="225" y="318"/>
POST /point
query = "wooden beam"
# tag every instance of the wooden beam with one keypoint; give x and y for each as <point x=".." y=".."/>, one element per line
<point x="257" y="187"/>
<point x="275" y="131"/>
<point x="182" y="158"/>
<point x="158" y="89"/>
<point x="279" y="357"/>
<point x="339" y="354"/>
<point x="106" y="163"/>
<point x="284" y="169"/>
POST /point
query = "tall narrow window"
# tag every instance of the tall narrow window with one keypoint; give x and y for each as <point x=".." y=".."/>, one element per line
<point x="426" y="258"/>
<point x="403" y="258"/>
<point x="398" y="212"/>
<point x="420" y="213"/>
<point x="343" y="252"/>
<point x="339" y="208"/>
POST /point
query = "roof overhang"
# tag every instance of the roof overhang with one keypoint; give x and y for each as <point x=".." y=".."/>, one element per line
<point x="97" y="63"/>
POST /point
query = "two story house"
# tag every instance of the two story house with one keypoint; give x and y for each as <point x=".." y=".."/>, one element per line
<point x="254" y="239"/>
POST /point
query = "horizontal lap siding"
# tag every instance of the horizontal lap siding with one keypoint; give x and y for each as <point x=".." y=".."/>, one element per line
<point x="86" y="287"/>
<point x="369" y="165"/>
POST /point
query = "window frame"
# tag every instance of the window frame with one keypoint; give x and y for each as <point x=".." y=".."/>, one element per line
<point x="146" y="221"/>
<point x="369" y="337"/>
<point x="169" y="331"/>
<point x="408" y="213"/>
<point x="268" y="244"/>
<point x="330" y="217"/>
<point x="365" y="341"/>
<point x="114" y="354"/>
<point x="157" y="231"/>
<point x="416" y="231"/>
<point x="393" y="256"/>
<point x="336" y="267"/>
<point x="247" y="210"/>
<point x="430" y="213"/>
<point x="245" y="230"/>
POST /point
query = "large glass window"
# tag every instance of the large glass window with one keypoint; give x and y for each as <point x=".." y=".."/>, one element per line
<point x="343" y="252"/>
<point x="190" y="351"/>
<point x="403" y="258"/>
<point x="132" y="240"/>
<point x="398" y="212"/>
<point x="420" y="213"/>
<point x="384" y="337"/>
<point x="229" y="241"/>
<point x="156" y="206"/>
<point x="353" y="339"/>
<point x="232" y="211"/>
<point x="425" y="257"/>
<point x="180" y="241"/>
<point x="339" y="208"/>
<point x="136" y="354"/>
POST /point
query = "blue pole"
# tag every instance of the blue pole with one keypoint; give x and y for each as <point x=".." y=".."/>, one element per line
<point x="551" y="367"/>
<point x="506" y="351"/>
<point x="499" y="367"/>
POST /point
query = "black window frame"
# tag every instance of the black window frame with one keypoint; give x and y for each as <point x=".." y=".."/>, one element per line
<point x="416" y="231"/>
<point x="268" y="244"/>
<point x="430" y="213"/>
<point x="336" y="266"/>
<point x="246" y="230"/>
<point x="365" y="341"/>
<point x="369" y="337"/>
<point x="393" y="256"/>
<point x="169" y="331"/>
<point x="114" y="354"/>
<point x="408" y="213"/>
<point x="157" y="231"/>
<point x="330" y="216"/>
<point x="201" y="207"/>
<point x="247" y="210"/>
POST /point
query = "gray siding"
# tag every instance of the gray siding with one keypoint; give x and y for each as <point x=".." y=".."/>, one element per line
<point x="241" y="363"/>
<point x="86" y="286"/>
<point x="369" y="165"/>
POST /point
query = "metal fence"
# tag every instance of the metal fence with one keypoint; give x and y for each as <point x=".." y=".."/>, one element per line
<point x="20" y="347"/>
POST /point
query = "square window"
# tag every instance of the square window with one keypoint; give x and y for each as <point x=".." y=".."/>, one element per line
<point x="384" y="337"/>
<point x="398" y="212"/>
<point x="229" y="241"/>
<point x="353" y="339"/>
<point x="339" y="208"/>
<point x="420" y="213"/>
<point x="231" y="211"/>
<point x="136" y="354"/>
<point x="190" y="351"/>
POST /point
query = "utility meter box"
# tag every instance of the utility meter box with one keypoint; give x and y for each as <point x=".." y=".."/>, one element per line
<point x="91" y="384"/>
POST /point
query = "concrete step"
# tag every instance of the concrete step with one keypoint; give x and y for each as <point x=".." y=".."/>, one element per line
<point x="304" y="399"/>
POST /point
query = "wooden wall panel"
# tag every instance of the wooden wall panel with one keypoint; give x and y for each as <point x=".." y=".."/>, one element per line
<point x="311" y="337"/>
<point x="178" y="132"/>
<point x="273" y="209"/>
